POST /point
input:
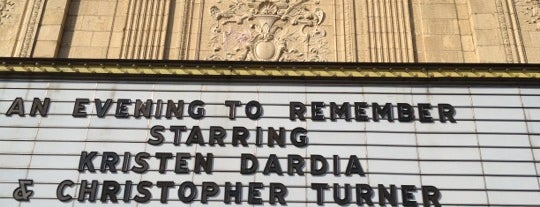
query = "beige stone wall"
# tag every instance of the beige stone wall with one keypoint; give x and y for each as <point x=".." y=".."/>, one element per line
<point x="462" y="31"/>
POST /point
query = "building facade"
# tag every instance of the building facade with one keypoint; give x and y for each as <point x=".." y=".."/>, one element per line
<point x="458" y="31"/>
<point x="269" y="103"/>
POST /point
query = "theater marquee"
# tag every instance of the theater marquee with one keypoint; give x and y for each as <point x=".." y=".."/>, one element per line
<point x="331" y="135"/>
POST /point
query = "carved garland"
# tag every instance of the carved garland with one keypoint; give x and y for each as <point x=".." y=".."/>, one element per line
<point x="5" y="9"/>
<point x="268" y="30"/>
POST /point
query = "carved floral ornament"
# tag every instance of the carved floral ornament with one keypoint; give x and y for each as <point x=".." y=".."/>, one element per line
<point x="268" y="30"/>
<point x="532" y="11"/>
<point x="5" y="8"/>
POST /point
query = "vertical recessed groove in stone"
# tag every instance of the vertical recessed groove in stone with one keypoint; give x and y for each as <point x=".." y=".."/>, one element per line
<point x="409" y="31"/>
<point x="159" y="44"/>
<point x="384" y="26"/>
<point x="153" y="30"/>
<point x="395" y="33"/>
<point x="143" y="32"/>
<point x="147" y="31"/>
<point x="378" y="29"/>
<point x="127" y="30"/>
<point x="135" y="27"/>
<point x="399" y="34"/>
<point x="151" y="45"/>
<point x="371" y="31"/>
<point x="164" y="28"/>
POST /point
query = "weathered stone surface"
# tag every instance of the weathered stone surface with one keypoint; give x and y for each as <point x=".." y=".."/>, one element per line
<point x="505" y="31"/>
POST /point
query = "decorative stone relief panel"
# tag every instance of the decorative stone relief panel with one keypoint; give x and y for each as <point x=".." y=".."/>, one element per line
<point x="5" y="9"/>
<point x="267" y="30"/>
<point x="532" y="11"/>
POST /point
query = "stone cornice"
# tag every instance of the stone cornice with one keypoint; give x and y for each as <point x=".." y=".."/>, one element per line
<point x="271" y="70"/>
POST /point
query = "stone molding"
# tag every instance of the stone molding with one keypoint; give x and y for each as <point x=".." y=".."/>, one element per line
<point x="31" y="29"/>
<point x="237" y="69"/>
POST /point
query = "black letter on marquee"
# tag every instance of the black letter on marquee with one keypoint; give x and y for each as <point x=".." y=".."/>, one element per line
<point x="85" y="161"/>
<point x="177" y="133"/>
<point x="254" y="193"/>
<point x="278" y="191"/>
<point x="91" y="191"/>
<point x="299" y="133"/>
<point x="172" y="108"/>
<point x="360" y="111"/>
<point x="237" y="193"/>
<point x="295" y="163"/>
<point x="207" y="164"/>
<point x="43" y="108"/>
<point x="164" y="190"/>
<point x="249" y="110"/>
<point x="195" y="136"/>
<point x="405" y="112"/>
<point x="198" y="104"/>
<point x="181" y="163"/>
<point x="232" y="108"/>
<point x="109" y="160"/>
<point x="338" y="112"/>
<point x="217" y="133"/>
<point x="208" y="189"/>
<point x="60" y="191"/>
<point x="79" y="110"/>
<point x="425" y="115"/>
<point x="337" y="194"/>
<point x="407" y="196"/>
<point x="192" y="192"/>
<point x="297" y="109"/>
<point x="447" y="112"/>
<point x="111" y="190"/>
<point x="386" y="112"/>
<point x="354" y="166"/>
<point x="385" y="195"/>
<point x="127" y="191"/>
<point x="316" y="111"/>
<point x="163" y="158"/>
<point x="324" y="167"/>
<point x="274" y="137"/>
<point x="121" y="108"/>
<point x="17" y="107"/>
<point x="155" y="132"/>
<point x="320" y="187"/>
<point x="142" y="108"/>
<point x="102" y="109"/>
<point x="244" y="170"/>
<point x="273" y="166"/>
<point x="140" y="159"/>
<point x="364" y="192"/>
<point x="141" y="188"/>
<point x="240" y="134"/>
<point x="431" y="194"/>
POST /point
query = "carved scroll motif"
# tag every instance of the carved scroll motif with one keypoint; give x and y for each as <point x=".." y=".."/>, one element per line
<point x="5" y="9"/>
<point x="268" y="30"/>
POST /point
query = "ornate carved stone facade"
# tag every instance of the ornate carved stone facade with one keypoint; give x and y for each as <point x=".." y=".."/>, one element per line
<point x="268" y="31"/>
<point x="506" y="31"/>
<point x="5" y="10"/>
<point x="532" y="10"/>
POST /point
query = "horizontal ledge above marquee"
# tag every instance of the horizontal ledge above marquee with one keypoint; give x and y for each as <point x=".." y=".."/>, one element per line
<point x="317" y="70"/>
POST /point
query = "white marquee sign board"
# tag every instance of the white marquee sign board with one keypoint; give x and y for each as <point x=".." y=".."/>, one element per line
<point x="65" y="143"/>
